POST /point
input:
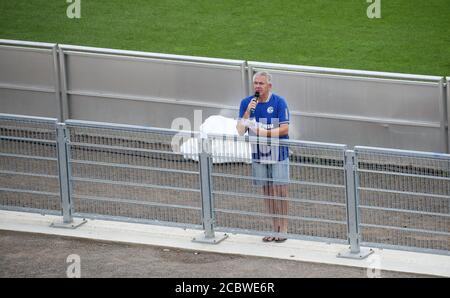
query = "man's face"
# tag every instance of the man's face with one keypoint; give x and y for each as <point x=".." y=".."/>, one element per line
<point x="261" y="85"/>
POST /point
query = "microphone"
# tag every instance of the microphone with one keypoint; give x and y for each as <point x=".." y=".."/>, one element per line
<point x="252" y="110"/>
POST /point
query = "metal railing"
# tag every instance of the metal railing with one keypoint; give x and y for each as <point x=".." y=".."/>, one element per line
<point x="381" y="109"/>
<point x="404" y="198"/>
<point x="314" y="199"/>
<point x="132" y="172"/>
<point x="366" y="196"/>
<point x="328" y="102"/>
<point x="29" y="175"/>
<point x="151" y="77"/>
<point x="30" y="81"/>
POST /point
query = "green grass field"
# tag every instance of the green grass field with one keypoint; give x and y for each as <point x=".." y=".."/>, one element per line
<point x="412" y="36"/>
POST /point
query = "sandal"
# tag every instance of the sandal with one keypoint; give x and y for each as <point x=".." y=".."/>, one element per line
<point x="268" y="239"/>
<point x="279" y="240"/>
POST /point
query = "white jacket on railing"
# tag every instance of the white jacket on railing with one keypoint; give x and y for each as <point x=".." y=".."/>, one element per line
<point x="222" y="150"/>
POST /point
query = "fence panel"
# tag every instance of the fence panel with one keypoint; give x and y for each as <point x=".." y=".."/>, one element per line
<point x="29" y="179"/>
<point x="138" y="174"/>
<point x="361" y="107"/>
<point x="131" y="173"/>
<point x="327" y="105"/>
<point x="447" y="105"/>
<point x="158" y="87"/>
<point x="315" y="198"/>
<point x="29" y="78"/>
<point x="404" y="198"/>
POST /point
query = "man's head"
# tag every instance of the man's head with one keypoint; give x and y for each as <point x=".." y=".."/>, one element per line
<point x="262" y="83"/>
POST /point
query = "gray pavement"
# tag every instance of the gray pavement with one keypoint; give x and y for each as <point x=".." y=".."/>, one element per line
<point x="42" y="256"/>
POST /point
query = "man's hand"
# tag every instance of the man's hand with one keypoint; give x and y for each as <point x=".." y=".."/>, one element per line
<point x="242" y="126"/>
<point x="251" y="105"/>
<point x="268" y="133"/>
<point x="260" y="132"/>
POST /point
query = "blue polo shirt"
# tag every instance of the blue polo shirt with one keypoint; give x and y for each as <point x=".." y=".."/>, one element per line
<point x="268" y="115"/>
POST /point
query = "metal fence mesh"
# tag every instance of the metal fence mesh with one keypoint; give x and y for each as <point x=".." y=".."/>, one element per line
<point x="28" y="165"/>
<point x="132" y="174"/>
<point x="136" y="173"/>
<point x="316" y="192"/>
<point x="404" y="199"/>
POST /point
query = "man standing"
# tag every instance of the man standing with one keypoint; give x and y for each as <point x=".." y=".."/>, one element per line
<point x="267" y="115"/>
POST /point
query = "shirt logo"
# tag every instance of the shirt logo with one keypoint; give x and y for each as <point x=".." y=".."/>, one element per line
<point x="270" y="110"/>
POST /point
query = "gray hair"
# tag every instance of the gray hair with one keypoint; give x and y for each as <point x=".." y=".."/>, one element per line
<point x="263" y="74"/>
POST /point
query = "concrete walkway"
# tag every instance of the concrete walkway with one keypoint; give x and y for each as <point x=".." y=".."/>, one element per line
<point x="177" y="239"/>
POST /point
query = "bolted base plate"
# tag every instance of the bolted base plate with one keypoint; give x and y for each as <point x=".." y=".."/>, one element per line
<point x="73" y="225"/>
<point x="362" y="254"/>
<point x="218" y="237"/>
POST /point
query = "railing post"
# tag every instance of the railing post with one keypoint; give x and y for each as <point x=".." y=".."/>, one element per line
<point x="64" y="106"/>
<point x="250" y="77"/>
<point x="352" y="202"/>
<point x="205" y="164"/>
<point x="64" y="180"/>
<point x="244" y="77"/>
<point x="57" y="82"/>
<point x="446" y="101"/>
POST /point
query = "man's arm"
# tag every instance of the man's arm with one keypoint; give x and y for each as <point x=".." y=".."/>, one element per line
<point x="240" y="126"/>
<point x="276" y="132"/>
<point x="283" y="129"/>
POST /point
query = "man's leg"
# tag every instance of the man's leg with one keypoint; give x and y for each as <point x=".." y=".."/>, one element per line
<point x="270" y="203"/>
<point x="260" y="173"/>
<point x="281" y="174"/>
<point x="281" y="207"/>
<point x="270" y="208"/>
